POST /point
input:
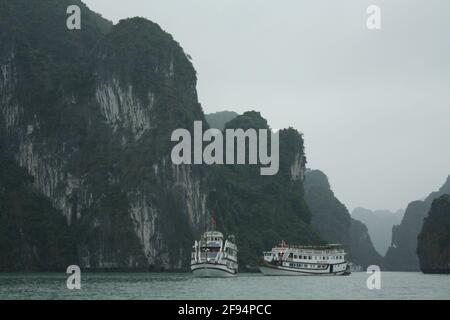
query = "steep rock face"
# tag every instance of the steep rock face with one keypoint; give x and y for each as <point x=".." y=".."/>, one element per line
<point x="402" y="254"/>
<point x="93" y="129"/>
<point x="362" y="251"/>
<point x="333" y="221"/>
<point x="121" y="109"/>
<point x="88" y="115"/>
<point x="33" y="234"/>
<point x="379" y="223"/>
<point x="434" y="239"/>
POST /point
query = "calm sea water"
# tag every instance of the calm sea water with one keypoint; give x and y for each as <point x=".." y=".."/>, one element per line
<point x="394" y="285"/>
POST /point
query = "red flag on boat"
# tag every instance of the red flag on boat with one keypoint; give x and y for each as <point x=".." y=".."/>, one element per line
<point x="213" y="221"/>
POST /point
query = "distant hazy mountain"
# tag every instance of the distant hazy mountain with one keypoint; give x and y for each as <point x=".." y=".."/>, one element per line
<point x="402" y="254"/>
<point x="334" y="223"/>
<point x="379" y="223"/>
<point x="219" y="119"/>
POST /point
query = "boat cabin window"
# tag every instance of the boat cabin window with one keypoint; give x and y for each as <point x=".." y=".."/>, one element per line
<point x="210" y="249"/>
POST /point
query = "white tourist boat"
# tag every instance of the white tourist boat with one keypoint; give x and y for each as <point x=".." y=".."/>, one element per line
<point x="285" y="260"/>
<point x="213" y="256"/>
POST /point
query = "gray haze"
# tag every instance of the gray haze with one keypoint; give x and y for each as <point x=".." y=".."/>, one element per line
<point x="374" y="106"/>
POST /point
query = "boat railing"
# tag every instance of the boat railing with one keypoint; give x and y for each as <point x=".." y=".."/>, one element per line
<point x="312" y="252"/>
<point x="325" y="247"/>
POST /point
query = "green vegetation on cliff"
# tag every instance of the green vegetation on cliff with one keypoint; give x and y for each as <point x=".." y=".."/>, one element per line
<point x="329" y="215"/>
<point x="218" y="120"/>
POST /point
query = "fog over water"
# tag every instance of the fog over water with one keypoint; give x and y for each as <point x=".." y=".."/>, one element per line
<point x="374" y="106"/>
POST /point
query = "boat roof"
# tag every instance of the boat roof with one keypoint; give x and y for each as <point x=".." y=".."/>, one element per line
<point x="216" y="234"/>
<point x="313" y="247"/>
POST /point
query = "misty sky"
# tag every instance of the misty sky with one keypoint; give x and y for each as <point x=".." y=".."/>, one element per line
<point x="374" y="106"/>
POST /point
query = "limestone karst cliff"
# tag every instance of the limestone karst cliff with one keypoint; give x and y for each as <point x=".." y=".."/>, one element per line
<point x="87" y="115"/>
<point x="33" y="234"/>
<point x="433" y="247"/>
<point x="402" y="254"/>
<point x="263" y="210"/>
